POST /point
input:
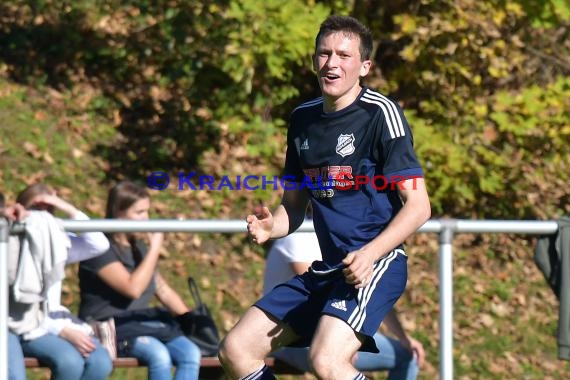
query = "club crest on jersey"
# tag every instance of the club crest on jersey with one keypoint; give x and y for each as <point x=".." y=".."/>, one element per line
<point x="345" y="145"/>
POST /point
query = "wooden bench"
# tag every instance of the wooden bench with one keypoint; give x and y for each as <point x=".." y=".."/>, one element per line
<point x="210" y="367"/>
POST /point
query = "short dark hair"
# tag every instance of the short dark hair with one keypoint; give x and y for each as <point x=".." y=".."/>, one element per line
<point x="26" y="196"/>
<point x="348" y="25"/>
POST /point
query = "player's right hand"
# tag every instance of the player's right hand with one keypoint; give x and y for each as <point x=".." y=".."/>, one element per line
<point x="260" y="225"/>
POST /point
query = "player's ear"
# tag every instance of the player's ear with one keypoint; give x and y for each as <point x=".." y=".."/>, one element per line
<point x="314" y="61"/>
<point x="365" y="67"/>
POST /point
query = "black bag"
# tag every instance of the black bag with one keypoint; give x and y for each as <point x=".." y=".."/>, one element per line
<point x="156" y="322"/>
<point x="198" y="324"/>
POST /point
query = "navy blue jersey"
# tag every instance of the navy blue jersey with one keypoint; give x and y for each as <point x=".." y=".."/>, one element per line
<point x="351" y="162"/>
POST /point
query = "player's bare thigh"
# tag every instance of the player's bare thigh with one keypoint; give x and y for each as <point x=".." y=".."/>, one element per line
<point x="332" y="349"/>
<point x="254" y="337"/>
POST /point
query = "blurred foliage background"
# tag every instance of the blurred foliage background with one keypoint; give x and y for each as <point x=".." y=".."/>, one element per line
<point x="94" y="91"/>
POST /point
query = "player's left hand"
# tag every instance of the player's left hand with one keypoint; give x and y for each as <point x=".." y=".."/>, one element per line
<point x="358" y="271"/>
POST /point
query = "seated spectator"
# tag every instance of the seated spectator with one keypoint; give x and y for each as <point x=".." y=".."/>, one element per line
<point x="401" y="357"/>
<point x="122" y="282"/>
<point x="57" y="338"/>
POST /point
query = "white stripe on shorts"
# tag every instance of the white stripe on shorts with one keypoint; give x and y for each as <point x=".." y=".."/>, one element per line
<point x="358" y="316"/>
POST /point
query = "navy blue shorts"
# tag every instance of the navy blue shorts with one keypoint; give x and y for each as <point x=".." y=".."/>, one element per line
<point x="301" y="301"/>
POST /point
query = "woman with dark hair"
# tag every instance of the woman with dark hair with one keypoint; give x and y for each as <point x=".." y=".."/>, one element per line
<point x="121" y="284"/>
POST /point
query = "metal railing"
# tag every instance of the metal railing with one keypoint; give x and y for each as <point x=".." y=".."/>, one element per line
<point x="446" y="228"/>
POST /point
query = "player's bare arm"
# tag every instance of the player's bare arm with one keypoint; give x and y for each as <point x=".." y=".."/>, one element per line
<point x="415" y="212"/>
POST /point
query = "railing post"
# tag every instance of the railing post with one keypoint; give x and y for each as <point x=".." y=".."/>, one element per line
<point x="4" y="233"/>
<point x="448" y="227"/>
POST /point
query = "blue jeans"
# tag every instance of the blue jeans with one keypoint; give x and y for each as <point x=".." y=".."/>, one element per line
<point x="392" y="357"/>
<point x="159" y="357"/>
<point x="16" y="367"/>
<point x="65" y="361"/>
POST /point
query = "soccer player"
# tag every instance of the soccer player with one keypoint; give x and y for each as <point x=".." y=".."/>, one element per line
<point x="350" y="132"/>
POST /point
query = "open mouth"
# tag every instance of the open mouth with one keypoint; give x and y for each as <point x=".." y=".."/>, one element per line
<point x="331" y="76"/>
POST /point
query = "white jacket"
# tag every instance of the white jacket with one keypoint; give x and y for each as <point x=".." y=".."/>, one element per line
<point x="43" y="251"/>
